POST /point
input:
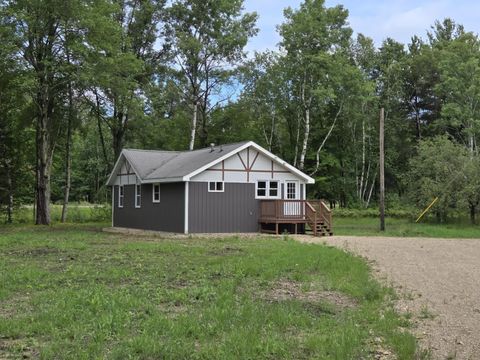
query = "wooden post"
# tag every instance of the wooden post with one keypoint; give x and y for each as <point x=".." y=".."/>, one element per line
<point x="382" y="169"/>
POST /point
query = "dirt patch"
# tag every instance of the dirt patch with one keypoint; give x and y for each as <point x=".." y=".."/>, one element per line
<point x="225" y="251"/>
<point x="17" y="349"/>
<point x="15" y="305"/>
<point x="438" y="281"/>
<point x="37" y="252"/>
<point x="290" y="290"/>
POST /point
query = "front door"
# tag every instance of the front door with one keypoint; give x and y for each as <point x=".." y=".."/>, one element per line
<point x="292" y="192"/>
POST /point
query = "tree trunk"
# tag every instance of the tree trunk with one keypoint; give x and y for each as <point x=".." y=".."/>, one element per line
<point x="360" y="189"/>
<point x="44" y="155"/>
<point x="193" y="128"/>
<point x="68" y="156"/>
<point x="99" y="125"/>
<point x="473" y="208"/>
<point x="317" y="165"/>
<point x="306" y="134"/>
<point x="297" y="139"/>
<point x="42" y="174"/>
<point x="10" y="196"/>
<point x="117" y="133"/>
<point x="417" y="119"/>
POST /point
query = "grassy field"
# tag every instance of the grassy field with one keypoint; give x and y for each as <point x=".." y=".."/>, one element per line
<point x="74" y="292"/>
<point x="77" y="213"/>
<point x="369" y="226"/>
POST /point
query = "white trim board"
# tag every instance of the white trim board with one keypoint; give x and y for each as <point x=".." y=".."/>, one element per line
<point x="185" y="216"/>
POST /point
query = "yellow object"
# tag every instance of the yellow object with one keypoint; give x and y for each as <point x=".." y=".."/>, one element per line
<point x="425" y="211"/>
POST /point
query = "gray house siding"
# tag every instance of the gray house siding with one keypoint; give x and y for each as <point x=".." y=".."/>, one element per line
<point x="234" y="210"/>
<point x="167" y="215"/>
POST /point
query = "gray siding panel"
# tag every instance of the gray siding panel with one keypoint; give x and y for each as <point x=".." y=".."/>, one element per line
<point x="167" y="215"/>
<point x="234" y="210"/>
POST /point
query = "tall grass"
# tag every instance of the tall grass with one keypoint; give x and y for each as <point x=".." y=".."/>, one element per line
<point x="77" y="213"/>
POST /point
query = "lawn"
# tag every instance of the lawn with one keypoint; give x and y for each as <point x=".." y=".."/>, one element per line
<point x="370" y="226"/>
<point x="74" y="292"/>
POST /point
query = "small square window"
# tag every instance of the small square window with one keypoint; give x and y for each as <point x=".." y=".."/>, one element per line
<point x="215" y="186"/>
<point x="273" y="189"/>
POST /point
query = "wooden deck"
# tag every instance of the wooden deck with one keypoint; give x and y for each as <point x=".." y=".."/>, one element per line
<point x="296" y="215"/>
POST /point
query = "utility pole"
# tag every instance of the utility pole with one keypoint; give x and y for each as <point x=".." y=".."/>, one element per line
<point x="382" y="169"/>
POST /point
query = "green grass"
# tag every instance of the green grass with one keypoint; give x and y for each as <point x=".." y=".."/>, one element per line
<point x="77" y="213"/>
<point x="368" y="226"/>
<point x="73" y="292"/>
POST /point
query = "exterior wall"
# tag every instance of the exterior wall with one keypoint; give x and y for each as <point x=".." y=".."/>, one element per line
<point x="167" y="215"/>
<point x="234" y="210"/>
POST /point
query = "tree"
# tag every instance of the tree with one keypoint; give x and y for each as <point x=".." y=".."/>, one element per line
<point x="207" y="38"/>
<point x="124" y="65"/>
<point x="14" y="143"/>
<point x="443" y="169"/>
<point x="459" y="87"/>
<point x="38" y="27"/>
<point x="312" y="38"/>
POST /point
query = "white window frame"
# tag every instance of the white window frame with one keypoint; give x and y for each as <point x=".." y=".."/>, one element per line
<point x="216" y="182"/>
<point x="298" y="195"/>
<point x="153" y="192"/>
<point x="267" y="189"/>
<point x="138" y="196"/>
<point x="121" y="196"/>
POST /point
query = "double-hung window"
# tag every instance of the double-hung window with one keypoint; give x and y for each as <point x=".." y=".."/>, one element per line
<point x="138" y="195"/>
<point x="121" y="196"/>
<point x="267" y="189"/>
<point x="215" y="186"/>
<point x="156" y="193"/>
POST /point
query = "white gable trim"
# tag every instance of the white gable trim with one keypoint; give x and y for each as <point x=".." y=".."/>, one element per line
<point x="117" y="166"/>
<point x="260" y="149"/>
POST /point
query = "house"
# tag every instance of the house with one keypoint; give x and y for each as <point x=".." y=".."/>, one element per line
<point x="229" y="188"/>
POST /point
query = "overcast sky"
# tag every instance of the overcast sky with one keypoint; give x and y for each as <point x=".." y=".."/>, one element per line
<point x="399" y="19"/>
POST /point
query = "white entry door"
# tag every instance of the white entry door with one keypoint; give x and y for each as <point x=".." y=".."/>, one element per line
<point x="292" y="192"/>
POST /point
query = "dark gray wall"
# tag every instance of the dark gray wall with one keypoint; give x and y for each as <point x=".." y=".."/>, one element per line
<point x="234" y="210"/>
<point x="167" y="215"/>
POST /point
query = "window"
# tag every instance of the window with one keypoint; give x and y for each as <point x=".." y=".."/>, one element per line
<point x="215" y="186"/>
<point x="273" y="189"/>
<point x="121" y="195"/>
<point x="156" y="193"/>
<point x="291" y="190"/>
<point x="268" y="189"/>
<point x="138" y="195"/>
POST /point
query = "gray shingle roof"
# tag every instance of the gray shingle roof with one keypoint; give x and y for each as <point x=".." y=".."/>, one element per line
<point x="156" y="165"/>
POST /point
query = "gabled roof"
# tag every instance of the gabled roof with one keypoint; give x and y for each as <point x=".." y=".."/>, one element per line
<point x="168" y="166"/>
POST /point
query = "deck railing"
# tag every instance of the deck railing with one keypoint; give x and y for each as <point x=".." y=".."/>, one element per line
<point x="309" y="211"/>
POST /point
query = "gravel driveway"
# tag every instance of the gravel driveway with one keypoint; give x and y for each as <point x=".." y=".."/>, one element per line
<point x="440" y="281"/>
